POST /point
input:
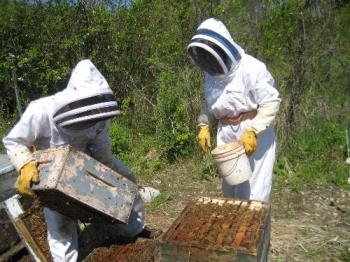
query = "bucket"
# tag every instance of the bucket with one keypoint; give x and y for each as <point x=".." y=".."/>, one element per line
<point x="232" y="163"/>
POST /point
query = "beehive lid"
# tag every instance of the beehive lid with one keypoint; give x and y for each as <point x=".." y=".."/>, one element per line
<point x="220" y="224"/>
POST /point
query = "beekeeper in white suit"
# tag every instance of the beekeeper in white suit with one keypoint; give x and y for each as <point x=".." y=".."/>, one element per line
<point x="79" y="116"/>
<point x="240" y="99"/>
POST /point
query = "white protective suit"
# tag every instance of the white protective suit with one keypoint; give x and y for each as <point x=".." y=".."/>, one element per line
<point x="246" y="86"/>
<point x="45" y="124"/>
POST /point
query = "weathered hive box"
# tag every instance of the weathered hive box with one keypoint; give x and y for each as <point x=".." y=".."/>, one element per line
<point x="80" y="187"/>
<point x="219" y="229"/>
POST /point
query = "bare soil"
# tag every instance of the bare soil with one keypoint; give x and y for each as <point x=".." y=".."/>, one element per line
<point x="311" y="225"/>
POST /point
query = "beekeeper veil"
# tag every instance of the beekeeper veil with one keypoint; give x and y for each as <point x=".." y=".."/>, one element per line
<point x="213" y="49"/>
<point x="86" y="100"/>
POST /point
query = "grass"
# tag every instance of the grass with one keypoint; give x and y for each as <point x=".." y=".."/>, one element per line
<point x="314" y="164"/>
<point x="305" y="226"/>
<point x="160" y="201"/>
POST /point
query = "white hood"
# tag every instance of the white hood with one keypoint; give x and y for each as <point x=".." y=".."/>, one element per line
<point x="215" y="31"/>
<point x="87" y="97"/>
<point x="87" y="81"/>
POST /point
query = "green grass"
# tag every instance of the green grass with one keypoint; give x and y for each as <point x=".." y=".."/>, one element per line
<point x="315" y="155"/>
<point x="160" y="201"/>
<point x="345" y="256"/>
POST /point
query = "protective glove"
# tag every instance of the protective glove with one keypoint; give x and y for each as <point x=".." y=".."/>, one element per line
<point x="29" y="174"/>
<point x="248" y="140"/>
<point x="204" y="137"/>
<point x="148" y="193"/>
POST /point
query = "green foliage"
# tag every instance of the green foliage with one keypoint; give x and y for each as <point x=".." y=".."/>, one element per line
<point x="317" y="156"/>
<point x="209" y="170"/>
<point x="5" y="127"/>
<point x="175" y="106"/>
<point x="141" y="51"/>
<point x="120" y="139"/>
<point x="135" y="149"/>
<point x="160" y="201"/>
<point x="345" y="256"/>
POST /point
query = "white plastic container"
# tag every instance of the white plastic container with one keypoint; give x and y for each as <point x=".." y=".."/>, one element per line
<point x="232" y="163"/>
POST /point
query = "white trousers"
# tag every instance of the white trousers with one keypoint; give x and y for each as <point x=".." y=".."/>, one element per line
<point x="62" y="236"/>
<point x="62" y="232"/>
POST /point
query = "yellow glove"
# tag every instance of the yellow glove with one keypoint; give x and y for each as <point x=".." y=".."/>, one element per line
<point x="204" y="137"/>
<point x="29" y="174"/>
<point x="248" y="140"/>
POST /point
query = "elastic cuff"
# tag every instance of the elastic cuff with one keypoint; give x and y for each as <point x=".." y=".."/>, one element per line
<point x="20" y="157"/>
<point x="248" y="128"/>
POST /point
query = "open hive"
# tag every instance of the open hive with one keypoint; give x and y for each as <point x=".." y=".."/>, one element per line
<point x="219" y="230"/>
<point x="143" y="251"/>
<point x="34" y="222"/>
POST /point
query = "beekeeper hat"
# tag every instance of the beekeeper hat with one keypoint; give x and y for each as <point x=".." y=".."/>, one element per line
<point x="86" y="100"/>
<point x="213" y="49"/>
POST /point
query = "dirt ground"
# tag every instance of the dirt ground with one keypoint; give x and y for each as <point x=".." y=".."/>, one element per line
<point x="311" y="225"/>
<point x="306" y="226"/>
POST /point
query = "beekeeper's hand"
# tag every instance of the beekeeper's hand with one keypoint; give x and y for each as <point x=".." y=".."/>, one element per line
<point x="248" y="140"/>
<point x="204" y="137"/>
<point x="29" y="174"/>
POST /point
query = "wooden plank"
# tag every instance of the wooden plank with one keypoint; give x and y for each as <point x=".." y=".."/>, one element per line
<point x="12" y="252"/>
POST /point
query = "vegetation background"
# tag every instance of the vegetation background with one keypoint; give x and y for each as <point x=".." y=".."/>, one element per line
<point x="140" y="48"/>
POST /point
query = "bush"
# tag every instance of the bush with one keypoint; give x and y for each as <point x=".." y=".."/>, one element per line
<point x="315" y="156"/>
<point x="174" y="113"/>
<point x="120" y="137"/>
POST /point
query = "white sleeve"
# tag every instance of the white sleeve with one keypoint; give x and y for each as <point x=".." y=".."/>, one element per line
<point x="203" y="119"/>
<point x="266" y="96"/>
<point x="33" y="124"/>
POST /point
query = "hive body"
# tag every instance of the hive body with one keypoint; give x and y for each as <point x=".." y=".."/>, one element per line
<point x="219" y="230"/>
<point x="78" y="186"/>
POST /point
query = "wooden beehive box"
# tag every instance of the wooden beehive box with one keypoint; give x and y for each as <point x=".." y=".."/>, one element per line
<point x="219" y="229"/>
<point x="80" y="187"/>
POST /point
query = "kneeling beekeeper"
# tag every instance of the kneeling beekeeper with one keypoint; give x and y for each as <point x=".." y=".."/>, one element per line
<point x="241" y="101"/>
<point x="80" y="116"/>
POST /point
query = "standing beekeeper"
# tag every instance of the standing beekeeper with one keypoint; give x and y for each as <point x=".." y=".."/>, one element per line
<point x="79" y="116"/>
<point x="240" y="99"/>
